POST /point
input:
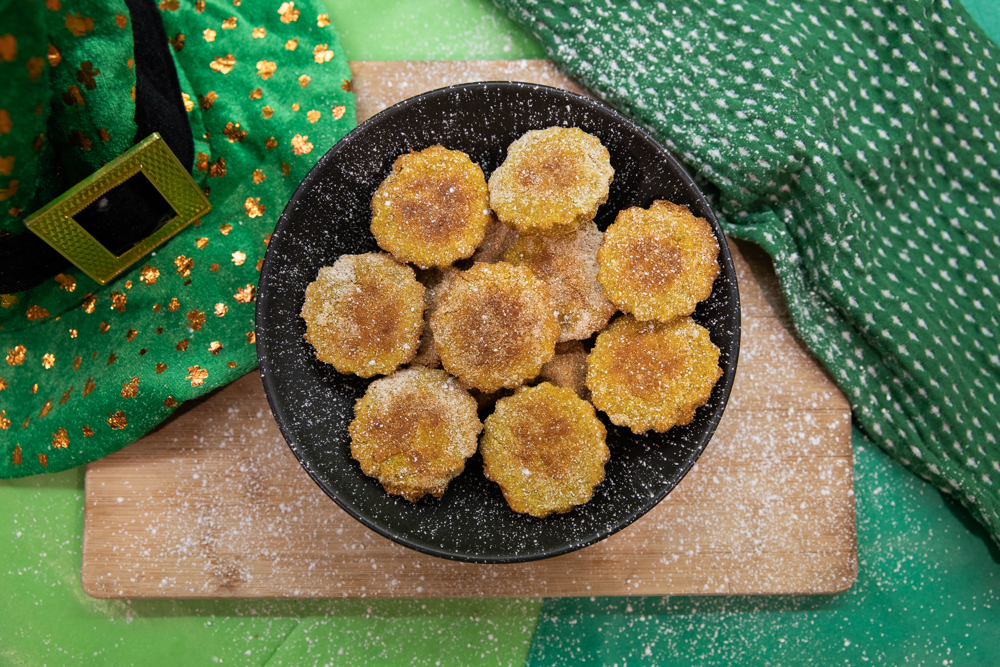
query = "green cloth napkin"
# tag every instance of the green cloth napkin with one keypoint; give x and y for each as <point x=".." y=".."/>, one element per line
<point x="857" y="144"/>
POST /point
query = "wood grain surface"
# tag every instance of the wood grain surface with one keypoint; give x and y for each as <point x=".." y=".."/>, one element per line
<point x="213" y="503"/>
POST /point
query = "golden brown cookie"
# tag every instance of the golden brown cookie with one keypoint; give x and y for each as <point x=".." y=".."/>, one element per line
<point x="414" y="430"/>
<point x="568" y="368"/>
<point x="364" y="314"/>
<point x="497" y="239"/>
<point x="495" y="326"/>
<point x="652" y="375"/>
<point x="658" y="263"/>
<point x="545" y="447"/>
<point x="551" y="181"/>
<point x="568" y="265"/>
<point x="436" y="282"/>
<point x="432" y="209"/>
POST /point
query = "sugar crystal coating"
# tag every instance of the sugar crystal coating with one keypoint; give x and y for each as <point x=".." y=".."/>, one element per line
<point x="658" y="263"/>
<point x="364" y="314"/>
<point x="568" y="265"/>
<point x="432" y="209"/>
<point x="495" y="326"/>
<point x="551" y="181"/>
<point x="414" y="430"/>
<point x="652" y="375"/>
<point x="546" y="449"/>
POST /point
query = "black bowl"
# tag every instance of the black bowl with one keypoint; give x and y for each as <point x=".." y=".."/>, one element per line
<point x="313" y="404"/>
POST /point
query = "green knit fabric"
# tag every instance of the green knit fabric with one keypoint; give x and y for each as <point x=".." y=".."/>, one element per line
<point x="856" y="143"/>
<point x="85" y="369"/>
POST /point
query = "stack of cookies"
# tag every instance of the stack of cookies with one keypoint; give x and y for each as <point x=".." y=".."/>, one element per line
<point x="494" y="298"/>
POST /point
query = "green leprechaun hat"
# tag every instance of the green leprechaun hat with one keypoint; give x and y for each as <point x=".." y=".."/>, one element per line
<point x="146" y="151"/>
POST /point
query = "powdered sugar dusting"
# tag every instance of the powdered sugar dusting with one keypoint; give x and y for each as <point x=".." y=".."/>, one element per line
<point x="768" y="508"/>
<point x="214" y="504"/>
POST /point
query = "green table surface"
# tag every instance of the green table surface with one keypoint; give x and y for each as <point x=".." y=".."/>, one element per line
<point x="928" y="588"/>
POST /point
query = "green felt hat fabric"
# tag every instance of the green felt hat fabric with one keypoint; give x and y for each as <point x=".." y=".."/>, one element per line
<point x="53" y="65"/>
<point x="858" y="144"/>
<point x="85" y="369"/>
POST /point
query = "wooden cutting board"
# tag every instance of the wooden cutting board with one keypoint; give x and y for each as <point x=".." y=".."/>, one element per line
<point x="214" y="504"/>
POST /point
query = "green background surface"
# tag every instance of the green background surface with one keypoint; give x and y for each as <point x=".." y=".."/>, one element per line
<point x="928" y="589"/>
